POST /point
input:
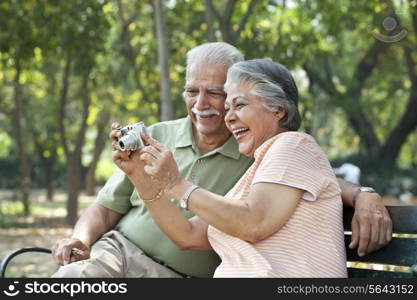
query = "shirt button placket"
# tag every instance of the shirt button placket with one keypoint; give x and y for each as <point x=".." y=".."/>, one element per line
<point x="197" y="164"/>
<point x="192" y="175"/>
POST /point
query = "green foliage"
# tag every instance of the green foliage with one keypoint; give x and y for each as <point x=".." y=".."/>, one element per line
<point x="5" y="144"/>
<point x="386" y="177"/>
<point x="113" y="42"/>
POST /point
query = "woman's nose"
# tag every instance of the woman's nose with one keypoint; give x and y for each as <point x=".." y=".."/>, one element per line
<point x="230" y="116"/>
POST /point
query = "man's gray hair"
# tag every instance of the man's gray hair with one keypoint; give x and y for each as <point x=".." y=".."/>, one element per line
<point x="217" y="53"/>
<point x="273" y="83"/>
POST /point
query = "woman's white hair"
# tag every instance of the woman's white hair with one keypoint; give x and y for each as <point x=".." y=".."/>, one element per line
<point x="273" y="83"/>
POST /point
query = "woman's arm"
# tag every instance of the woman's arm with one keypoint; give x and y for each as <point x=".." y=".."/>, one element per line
<point x="187" y="234"/>
<point x="253" y="219"/>
<point x="268" y="208"/>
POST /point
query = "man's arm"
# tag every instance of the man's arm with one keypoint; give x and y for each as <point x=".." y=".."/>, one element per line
<point x="371" y="223"/>
<point x="96" y="219"/>
<point x="92" y="224"/>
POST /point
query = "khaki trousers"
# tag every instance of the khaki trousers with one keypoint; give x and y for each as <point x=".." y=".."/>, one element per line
<point x="114" y="256"/>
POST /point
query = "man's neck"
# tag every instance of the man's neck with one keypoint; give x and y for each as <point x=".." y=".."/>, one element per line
<point x="207" y="143"/>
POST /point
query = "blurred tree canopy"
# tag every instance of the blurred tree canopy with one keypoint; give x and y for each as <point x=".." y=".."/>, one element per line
<point x="68" y="68"/>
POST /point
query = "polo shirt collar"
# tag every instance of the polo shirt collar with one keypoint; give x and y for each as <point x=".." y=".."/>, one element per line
<point x="185" y="138"/>
<point x="230" y="148"/>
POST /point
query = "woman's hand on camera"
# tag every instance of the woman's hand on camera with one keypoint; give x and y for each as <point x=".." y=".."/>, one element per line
<point x="159" y="163"/>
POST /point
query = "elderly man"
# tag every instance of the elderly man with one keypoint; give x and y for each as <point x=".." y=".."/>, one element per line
<point x="116" y="237"/>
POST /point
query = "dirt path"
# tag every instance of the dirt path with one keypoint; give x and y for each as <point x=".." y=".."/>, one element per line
<point x="42" y="229"/>
<point x="30" y="264"/>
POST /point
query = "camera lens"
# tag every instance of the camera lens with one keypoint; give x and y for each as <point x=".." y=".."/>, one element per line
<point x="131" y="139"/>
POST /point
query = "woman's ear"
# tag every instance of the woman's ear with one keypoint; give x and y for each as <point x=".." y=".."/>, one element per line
<point x="280" y="114"/>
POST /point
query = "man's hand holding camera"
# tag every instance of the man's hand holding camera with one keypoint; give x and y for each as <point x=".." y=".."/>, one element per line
<point x="131" y="164"/>
<point x="119" y="157"/>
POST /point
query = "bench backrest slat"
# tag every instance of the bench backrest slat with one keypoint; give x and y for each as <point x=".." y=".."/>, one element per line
<point x="362" y="273"/>
<point x="401" y="251"/>
<point x="404" y="218"/>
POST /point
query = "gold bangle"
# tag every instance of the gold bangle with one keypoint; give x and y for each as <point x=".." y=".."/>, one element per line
<point x="156" y="197"/>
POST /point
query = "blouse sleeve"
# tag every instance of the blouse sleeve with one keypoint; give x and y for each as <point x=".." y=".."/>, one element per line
<point x="294" y="160"/>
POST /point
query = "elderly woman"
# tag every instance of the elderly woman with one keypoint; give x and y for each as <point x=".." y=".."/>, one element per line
<point x="284" y="216"/>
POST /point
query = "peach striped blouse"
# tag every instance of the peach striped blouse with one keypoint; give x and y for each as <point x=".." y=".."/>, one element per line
<point x="311" y="243"/>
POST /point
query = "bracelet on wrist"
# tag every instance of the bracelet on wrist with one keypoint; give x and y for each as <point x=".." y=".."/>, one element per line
<point x="156" y="197"/>
<point x="184" y="200"/>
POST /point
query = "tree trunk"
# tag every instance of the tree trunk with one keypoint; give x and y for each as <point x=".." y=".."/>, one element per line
<point x="48" y="162"/>
<point x="63" y="102"/>
<point x="407" y="124"/>
<point x="73" y="187"/>
<point x="229" y="35"/>
<point x="24" y="162"/>
<point x="225" y="23"/>
<point x="50" y="186"/>
<point x="364" y="128"/>
<point x="90" y="180"/>
<point x="167" y="109"/>
<point x="349" y="101"/>
<point x="99" y="144"/>
<point x="74" y="158"/>
<point x="209" y="16"/>
<point x="128" y="51"/>
<point x="49" y="175"/>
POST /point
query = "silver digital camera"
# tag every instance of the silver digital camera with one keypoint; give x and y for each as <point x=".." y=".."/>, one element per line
<point x="131" y="139"/>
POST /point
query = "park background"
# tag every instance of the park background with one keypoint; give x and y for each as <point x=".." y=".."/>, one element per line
<point x="70" y="68"/>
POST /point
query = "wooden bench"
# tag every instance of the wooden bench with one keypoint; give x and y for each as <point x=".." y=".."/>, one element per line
<point x="402" y="251"/>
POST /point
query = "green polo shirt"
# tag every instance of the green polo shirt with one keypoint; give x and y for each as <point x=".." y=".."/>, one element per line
<point x="216" y="171"/>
